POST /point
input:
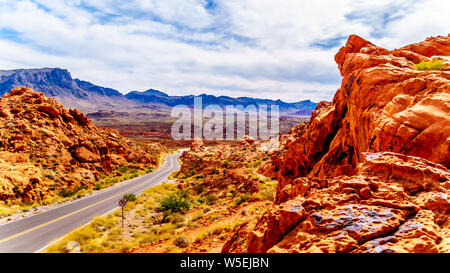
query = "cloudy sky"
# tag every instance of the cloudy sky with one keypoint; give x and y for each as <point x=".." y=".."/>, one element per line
<point x="259" y="48"/>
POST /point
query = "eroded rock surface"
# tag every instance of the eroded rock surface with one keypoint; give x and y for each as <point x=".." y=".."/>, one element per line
<point x="400" y="208"/>
<point x="384" y="104"/>
<point x="369" y="171"/>
<point x="45" y="148"/>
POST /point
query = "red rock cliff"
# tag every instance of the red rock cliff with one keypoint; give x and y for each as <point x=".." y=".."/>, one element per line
<point x="383" y="104"/>
<point x="369" y="171"/>
<point x="45" y="148"/>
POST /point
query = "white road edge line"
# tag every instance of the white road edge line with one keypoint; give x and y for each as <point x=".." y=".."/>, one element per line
<point x="60" y="238"/>
<point x="119" y="184"/>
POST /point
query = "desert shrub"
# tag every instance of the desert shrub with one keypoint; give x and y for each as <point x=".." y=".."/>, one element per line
<point x="82" y="236"/>
<point x="175" y="218"/>
<point x="92" y="248"/>
<point x="202" y="235"/>
<point x="165" y="229"/>
<point x="149" y="238"/>
<point x="231" y="191"/>
<point x="240" y="199"/>
<point x="430" y="65"/>
<point x="183" y="193"/>
<point x="216" y="216"/>
<point x="199" y="188"/>
<point x="173" y="203"/>
<point x="129" y="197"/>
<point x="189" y="174"/>
<point x="181" y="241"/>
<point x="103" y="222"/>
<point x="266" y="191"/>
<point x="8" y="211"/>
<point x="69" y="193"/>
<point x="81" y="192"/>
<point x="123" y="169"/>
<point x="219" y="228"/>
<point x="208" y="199"/>
<point x="198" y="215"/>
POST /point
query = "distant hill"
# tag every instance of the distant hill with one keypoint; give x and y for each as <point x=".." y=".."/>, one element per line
<point x="155" y="96"/>
<point x="89" y="98"/>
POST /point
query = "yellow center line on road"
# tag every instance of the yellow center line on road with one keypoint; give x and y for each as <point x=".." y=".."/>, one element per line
<point x="64" y="216"/>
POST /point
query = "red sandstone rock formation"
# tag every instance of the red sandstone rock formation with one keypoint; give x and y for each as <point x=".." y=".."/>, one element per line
<point x="45" y="148"/>
<point x="368" y="172"/>
<point x="395" y="203"/>
<point x="384" y="104"/>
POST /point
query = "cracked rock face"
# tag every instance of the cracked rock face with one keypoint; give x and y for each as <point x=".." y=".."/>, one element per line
<point x="369" y="171"/>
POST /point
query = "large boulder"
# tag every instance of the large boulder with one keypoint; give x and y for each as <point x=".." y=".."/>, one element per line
<point x="82" y="154"/>
<point x="51" y="111"/>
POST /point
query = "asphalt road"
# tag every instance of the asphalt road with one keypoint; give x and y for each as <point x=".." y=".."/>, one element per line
<point x="33" y="233"/>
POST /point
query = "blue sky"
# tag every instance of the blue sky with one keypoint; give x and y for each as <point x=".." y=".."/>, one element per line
<point x="260" y="48"/>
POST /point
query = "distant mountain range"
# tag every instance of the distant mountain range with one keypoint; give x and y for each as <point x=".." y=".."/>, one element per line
<point x="88" y="97"/>
<point x="155" y="96"/>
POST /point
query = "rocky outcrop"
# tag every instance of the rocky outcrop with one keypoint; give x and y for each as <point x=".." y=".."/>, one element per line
<point x="52" y="112"/>
<point x="79" y="117"/>
<point x="45" y="148"/>
<point x="84" y="155"/>
<point x="369" y="171"/>
<point x="384" y="104"/>
<point x="216" y="168"/>
<point x="395" y="203"/>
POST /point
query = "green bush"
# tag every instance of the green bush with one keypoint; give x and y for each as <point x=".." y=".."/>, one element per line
<point x="123" y="169"/>
<point x="69" y="193"/>
<point x="430" y="65"/>
<point x="174" y="203"/>
<point x="129" y="197"/>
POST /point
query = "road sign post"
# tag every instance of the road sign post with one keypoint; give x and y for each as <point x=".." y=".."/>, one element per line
<point x="122" y="203"/>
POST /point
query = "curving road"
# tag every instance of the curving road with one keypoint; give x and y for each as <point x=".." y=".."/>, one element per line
<point x="33" y="233"/>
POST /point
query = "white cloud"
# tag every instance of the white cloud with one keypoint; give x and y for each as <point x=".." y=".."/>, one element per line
<point x="258" y="48"/>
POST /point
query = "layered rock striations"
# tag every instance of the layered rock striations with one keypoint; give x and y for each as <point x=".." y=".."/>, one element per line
<point x="45" y="148"/>
<point x="369" y="171"/>
<point x="384" y="104"/>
